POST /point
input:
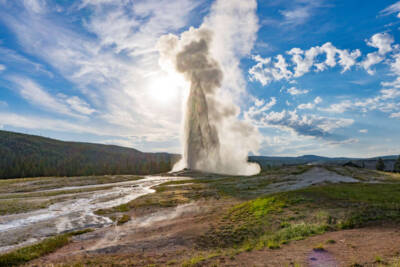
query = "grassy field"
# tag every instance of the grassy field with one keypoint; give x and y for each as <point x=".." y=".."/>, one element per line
<point x="277" y="219"/>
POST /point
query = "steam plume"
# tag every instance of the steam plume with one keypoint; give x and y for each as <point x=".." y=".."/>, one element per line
<point x="208" y="120"/>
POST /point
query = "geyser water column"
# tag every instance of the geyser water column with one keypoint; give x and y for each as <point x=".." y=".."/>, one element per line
<point x="201" y="143"/>
<point x="205" y="116"/>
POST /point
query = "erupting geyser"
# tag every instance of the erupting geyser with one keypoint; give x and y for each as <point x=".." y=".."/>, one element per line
<point x="207" y="118"/>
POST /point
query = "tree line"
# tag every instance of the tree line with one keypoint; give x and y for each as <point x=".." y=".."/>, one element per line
<point x="380" y="165"/>
<point x="32" y="156"/>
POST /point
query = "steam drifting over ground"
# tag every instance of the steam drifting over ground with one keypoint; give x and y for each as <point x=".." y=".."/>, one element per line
<point x="214" y="139"/>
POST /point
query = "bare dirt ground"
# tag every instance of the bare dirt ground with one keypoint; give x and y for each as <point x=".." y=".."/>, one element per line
<point x="356" y="246"/>
<point x="169" y="242"/>
<point x="158" y="234"/>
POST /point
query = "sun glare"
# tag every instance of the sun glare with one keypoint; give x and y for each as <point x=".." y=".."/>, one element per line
<point x="166" y="88"/>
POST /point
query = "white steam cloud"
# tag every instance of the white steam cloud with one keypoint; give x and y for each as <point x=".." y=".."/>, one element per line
<point x="214" y="139"/>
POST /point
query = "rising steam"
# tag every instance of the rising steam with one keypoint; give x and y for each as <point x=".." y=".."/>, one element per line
<point x="210" y="123"/>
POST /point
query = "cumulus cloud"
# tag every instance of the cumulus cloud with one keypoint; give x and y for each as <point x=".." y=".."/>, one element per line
<point x="311" y="105"/>
<point x="383" y="42"/>
<point x="267" y="70"/>
<point x="260" y="106"/>
<point x="395" y="66"/>
<point x="387" y="101"/>
<point x="2" y="67"/>
<point x="308" y="125"/>
<point x="295" y="91"/>
<point x="363" y="131"/>
<point x="304" y="125"/>
<point x="339" y="107"/>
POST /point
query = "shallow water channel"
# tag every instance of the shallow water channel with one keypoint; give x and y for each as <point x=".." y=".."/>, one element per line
<point x="75" y="213"/>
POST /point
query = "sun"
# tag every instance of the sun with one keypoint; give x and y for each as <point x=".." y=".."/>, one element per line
<point x="166" y="88"/>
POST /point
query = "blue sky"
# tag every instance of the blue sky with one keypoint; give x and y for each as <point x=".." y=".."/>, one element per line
<point x="314" y="76"/>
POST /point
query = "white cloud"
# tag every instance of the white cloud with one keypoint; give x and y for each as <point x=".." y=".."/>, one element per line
<point x="296" y="16"/>
<point x="295" y="91"/>
<point x="395" y="115"/>
<point x="300" y="12"/>
<point x="383" y="42"/>
<point x="267" y="70"/>
<point x="36" y="95"/>
<point x="303" y="61"/>
<point x="304" y="125"/>
<point x="339" y="107"/>
<point x="22" y="63"/>
<point x="79" y="105"/>
<point x="390" y="94"/>
<point x="394" y="8"/>
<point x="2" y="67"/>
<point x="311" y="105"/>
<point x="371" y="60"/>
<point x="36" y="6"/>
<point x="386" y="101"/>
<point x="35" y="123"/>
<point x="260" y="106"/>
<point x="395" y="65"/>
<point x="363" y="131"/>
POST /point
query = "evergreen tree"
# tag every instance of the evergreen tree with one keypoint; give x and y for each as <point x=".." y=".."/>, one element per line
<point x="380" y="165"/>
<point x="397" y="165"/>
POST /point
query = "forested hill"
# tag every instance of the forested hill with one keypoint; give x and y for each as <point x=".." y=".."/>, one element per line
<point x="23" y="155"/>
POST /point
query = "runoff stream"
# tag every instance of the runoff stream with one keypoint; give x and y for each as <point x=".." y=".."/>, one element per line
<point x="21" y="229"/>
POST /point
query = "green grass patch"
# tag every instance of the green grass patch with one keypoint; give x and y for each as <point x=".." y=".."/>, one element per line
<point x="277" y="219"/>
<point x="46" y="246"/>
<point x="13" y="206"/>
<point x="199" y="259"/>
<point x="123" y="219"/>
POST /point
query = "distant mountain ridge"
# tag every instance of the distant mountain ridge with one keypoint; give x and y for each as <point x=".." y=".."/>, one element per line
<point x="23" y="155"/>
<point x="369" y="163"/>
